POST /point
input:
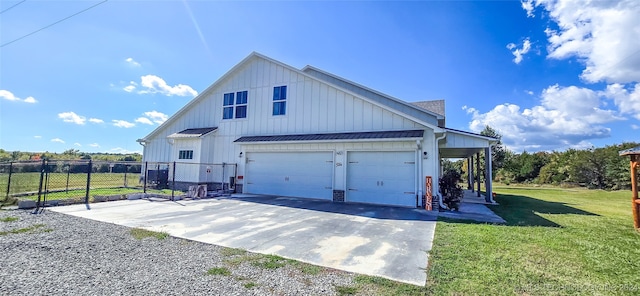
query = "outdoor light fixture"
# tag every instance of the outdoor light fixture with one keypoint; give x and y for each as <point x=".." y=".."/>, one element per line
<point x="240" y="155"/>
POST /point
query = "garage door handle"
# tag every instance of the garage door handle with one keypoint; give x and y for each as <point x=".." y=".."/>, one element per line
<point x="409" y="162"/>
<point x="327" y="187"/>
<point x="352" y="189"/>
<point x="353" y="162"/>
<point x="406" y="192"/>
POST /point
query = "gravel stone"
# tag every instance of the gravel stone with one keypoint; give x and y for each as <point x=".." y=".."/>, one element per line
<point x="67" y="255"/>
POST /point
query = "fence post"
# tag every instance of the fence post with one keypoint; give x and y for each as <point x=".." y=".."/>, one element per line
<point x="9" y="180"/>
<point x="173" y="180"/>
<point x="68" y="172"/>
<point x="42" y="167"/>
<point x="146" y="174"/>
<point x="86" y="197"/>
<point x="126" y="168"/>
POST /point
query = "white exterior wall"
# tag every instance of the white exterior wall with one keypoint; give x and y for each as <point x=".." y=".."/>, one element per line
<point x="312" y="107"/>
<point x="186" y="169"/>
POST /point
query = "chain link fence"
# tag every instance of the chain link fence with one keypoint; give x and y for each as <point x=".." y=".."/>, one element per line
<point x="55" y="182"/>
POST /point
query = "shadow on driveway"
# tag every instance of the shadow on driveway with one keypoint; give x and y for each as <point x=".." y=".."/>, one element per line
<point x="353" y="209"/>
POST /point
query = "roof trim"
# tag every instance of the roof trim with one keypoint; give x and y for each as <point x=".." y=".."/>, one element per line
<point x="333" y="137"/>
<point x="455" y="131"/>
<point x="630" y="151"/>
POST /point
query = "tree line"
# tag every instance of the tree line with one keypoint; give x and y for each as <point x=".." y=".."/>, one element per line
<point x="70" y="154"/>
<point x="594" y="168"/>
<point x="69" y="161"/>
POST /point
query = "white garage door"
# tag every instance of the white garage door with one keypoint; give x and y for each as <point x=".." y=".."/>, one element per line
<point x="381" y="178"/>
<point x="300" y="174"/>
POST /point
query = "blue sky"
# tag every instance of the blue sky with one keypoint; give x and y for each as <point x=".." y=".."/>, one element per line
<point x="548" y="75"/>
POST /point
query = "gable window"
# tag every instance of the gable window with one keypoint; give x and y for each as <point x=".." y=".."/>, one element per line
<point x="280" y="100"/>
<point x="227" y="110"/>
<point x="239" y="101"/>
<point x="185" y="154"/>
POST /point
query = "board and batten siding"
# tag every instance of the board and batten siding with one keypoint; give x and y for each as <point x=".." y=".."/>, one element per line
<point x="312" y="107"/>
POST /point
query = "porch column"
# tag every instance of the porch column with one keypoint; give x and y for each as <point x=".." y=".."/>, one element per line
<point x="470" y="178"/>
<point x="635" y="202"/>
<point x="478" y="172"/>
<point x="488" y="197"/>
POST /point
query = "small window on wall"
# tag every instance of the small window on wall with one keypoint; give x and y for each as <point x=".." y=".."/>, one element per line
<point x="185" y="154"/>
<point x="227" y="110"/>
<point x="280" y="100"/>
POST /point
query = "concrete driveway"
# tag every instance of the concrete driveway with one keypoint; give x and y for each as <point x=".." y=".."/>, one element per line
<point x="383" y="241"/>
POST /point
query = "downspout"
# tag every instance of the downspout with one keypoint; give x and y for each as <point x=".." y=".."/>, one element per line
<point x="436" y="182"/>
<point x="418" y="174"/>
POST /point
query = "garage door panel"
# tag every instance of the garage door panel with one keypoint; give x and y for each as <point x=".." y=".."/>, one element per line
<point x="299" y="174"/>
<point x="381" y="177"/>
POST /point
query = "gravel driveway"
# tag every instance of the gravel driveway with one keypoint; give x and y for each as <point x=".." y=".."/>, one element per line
<point x="57" y="254"/>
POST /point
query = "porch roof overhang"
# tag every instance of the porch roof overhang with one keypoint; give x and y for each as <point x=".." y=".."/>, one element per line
<point x="632" y="151"/>
<point x="462" y="144"/>
<point x="191" y="133"/>
<point x="404" y="135"/>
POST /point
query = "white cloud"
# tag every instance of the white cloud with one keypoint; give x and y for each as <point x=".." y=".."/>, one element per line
<point x="131" y="87"/>
<point x="601" y="34"/>
<point x="72" y="117"/>
<point x="7" y="95"/>
<point x="518" y="53"/>
<point x="144" y="120"/>
<point x="628" y="102"/>
<point x="528" y="6"/>
<point x="132" y="62"/>
<point x="30" y="100"/>
<point x="96" y="120"/>
<point x="566" y="117"/>
<point x="57" y="140"/>
<point x="153" y="84"/>
<point x="38" y="137"/>
<point x="529" y="92"/>
<point x="157" y="117"/>
<point x="123" y="151"/>
<point x="123" y="123"/>
<point x="77" y="144"/>
<point x="635" y="126"/>
<point x="94" y="145"/>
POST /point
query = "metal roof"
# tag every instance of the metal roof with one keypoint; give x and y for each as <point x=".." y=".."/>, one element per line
<point x="193" y="132"/>
<point x="334" y="136"/>
<point x="632" y="151"/>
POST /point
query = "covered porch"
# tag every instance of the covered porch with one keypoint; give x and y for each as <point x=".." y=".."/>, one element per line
<point x="468" y="146"/>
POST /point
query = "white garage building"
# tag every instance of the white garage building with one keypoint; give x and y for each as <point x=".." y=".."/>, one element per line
<point x="309" y="133"/>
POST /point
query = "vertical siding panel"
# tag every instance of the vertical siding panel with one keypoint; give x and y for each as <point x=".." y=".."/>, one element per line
<point x="367" y="114"/>
<point x="348" y="112"/>
<point x="308" y="95"/>
<point x="331" y="110"/>
<point x="272" y="73"/>
<point x="340" y="106"/>
<point x="323" y="108"/>
<point x="357" y="114"/>
<point x="315" y="107"/>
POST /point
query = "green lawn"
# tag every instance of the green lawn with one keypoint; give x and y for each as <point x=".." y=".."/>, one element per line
<point x="29" y="182"/>
<point x="556" y="242"/>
